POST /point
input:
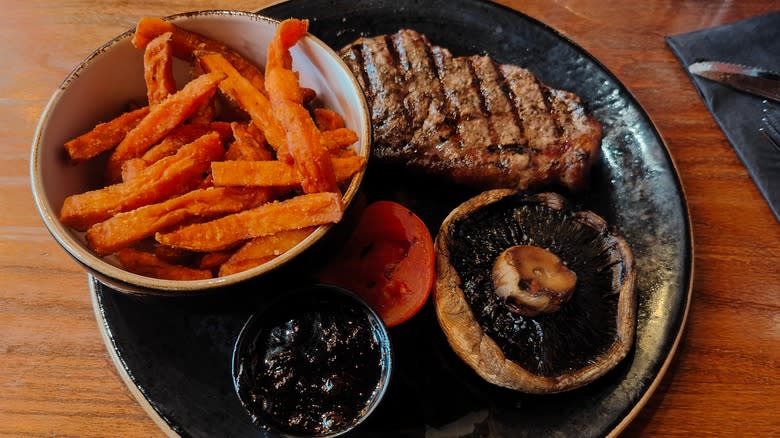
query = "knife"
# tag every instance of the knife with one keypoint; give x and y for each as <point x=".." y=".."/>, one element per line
<point x="752" y="80"/>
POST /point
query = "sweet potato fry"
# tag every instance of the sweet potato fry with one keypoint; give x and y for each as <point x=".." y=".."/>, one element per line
<point x="274" y="173"/>
<point x="207" y="111"/>
<point x="132" y="168"/>
<point x="338" y="138"/>
<point x="249" y="143"/>
<point x="289" y="32"/>
<point x="238" y="88"/>
<point x="175" y="256"/>
<point x="271" y="173"/>
<point x="262" y="249"/>
<point x="161" y="120"/>
<point x="287" y="87"/>
<point x="207" y="182"/>
<point x="125" y="229"/>
<point x="327" y="120"/>
<point x="144" y="263"/>
<point x="308" y="95"/>
<point x="104" y="136"/>
<point x="170" y="176"/>
<point x="186" y="43"/>
<point x="182" y="135"/>
<point x="213" y="260"/>
<point x="242" y="265"/>
<point x="342" y="153"/>
<point x="303" y="138"/>
<point x="298" y="212"/>
<point x="224" y="130"/>
<point x="158" y="69"/>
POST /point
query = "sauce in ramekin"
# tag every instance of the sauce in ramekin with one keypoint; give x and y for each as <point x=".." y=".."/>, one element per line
<point x="312" y="365"/>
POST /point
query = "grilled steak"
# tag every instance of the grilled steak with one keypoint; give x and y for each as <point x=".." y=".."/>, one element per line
<point x="470" y="119"/>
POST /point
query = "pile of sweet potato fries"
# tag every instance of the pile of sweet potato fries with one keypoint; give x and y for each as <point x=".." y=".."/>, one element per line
<point x="224" y="174"/>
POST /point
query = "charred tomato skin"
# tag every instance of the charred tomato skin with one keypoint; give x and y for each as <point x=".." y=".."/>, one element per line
<point x="388" y="260"/>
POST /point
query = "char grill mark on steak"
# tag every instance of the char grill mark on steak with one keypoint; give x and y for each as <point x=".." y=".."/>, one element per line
<point x="466" y="105"/>
<point x="532" y="106"/>
<point x="470" y="119"/>
<point x="353" y="56"/>
<point x="476" y="84"/>
<point x="548" y="103"/>
<point x="431" y="123"/>
<point x="497" y="105"/>
<point x="515" y="111"/>
<point x="390" y="120"/>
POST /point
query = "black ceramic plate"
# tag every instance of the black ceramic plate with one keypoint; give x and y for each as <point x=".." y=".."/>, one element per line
<point x="175" y="354"/>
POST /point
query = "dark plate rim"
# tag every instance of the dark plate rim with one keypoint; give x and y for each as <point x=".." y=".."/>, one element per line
<point x="119" y="364"/>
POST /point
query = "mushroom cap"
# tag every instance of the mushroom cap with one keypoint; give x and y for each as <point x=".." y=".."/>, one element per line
<point x="549" y="353"/>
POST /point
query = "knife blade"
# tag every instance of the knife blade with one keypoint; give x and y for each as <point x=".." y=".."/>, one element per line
<point x="752" y="80"/>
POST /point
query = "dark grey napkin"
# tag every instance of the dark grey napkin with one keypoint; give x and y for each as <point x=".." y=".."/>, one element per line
<point x="756" y="42"/>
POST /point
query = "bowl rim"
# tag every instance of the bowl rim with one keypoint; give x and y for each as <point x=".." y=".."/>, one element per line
<point x="130" y="282"/>
<point x="327" y="291"/>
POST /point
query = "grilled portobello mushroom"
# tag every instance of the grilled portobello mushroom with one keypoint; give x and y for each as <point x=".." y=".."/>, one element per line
<point x="533" y="295"/>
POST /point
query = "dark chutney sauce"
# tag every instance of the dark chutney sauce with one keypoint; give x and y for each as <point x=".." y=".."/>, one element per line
<point x="310" y="366"/>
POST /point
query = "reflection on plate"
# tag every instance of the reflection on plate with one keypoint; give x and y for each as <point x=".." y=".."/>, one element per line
<point x="175" y="355"/>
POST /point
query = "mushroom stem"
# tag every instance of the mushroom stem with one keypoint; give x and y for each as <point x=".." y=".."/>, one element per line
<point x="532" y="280"/>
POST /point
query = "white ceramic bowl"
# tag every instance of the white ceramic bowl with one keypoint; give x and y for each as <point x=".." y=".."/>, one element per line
<point x="101" y="86"/>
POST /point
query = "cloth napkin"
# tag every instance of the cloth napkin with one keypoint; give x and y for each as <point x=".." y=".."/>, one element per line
<point x="756" y="42"/>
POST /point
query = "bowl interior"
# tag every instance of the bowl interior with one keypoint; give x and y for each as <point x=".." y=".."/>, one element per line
<point x="111" y="78"/>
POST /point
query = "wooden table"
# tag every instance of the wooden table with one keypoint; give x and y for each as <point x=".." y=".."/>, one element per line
<point x="56" y="378"/>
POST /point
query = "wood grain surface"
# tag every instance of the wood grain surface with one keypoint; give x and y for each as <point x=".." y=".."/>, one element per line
<point x="56" y="378"/>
